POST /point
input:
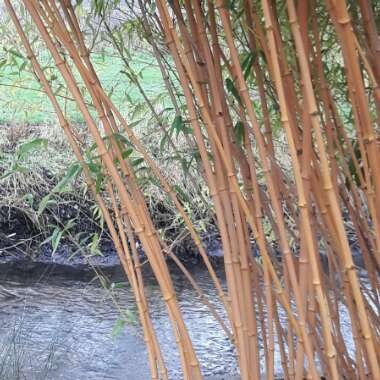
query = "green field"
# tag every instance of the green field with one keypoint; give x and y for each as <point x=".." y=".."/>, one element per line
<point x="22" y="101"/>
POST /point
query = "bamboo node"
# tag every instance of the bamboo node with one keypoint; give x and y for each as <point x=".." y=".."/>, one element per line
<point x="369" y="139"/>
<point x="102" y="152"/>
<point x="60" y="62"/>
<point x="269" y="28"/>
<point x="344" y="20"/>
<point x="168" y="298"/>
<point x="350" y="267"/>
<point x="91" y="183"/>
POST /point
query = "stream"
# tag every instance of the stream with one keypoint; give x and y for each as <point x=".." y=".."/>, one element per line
<point x="55" y="326"/>
<point x="60" y="324"/>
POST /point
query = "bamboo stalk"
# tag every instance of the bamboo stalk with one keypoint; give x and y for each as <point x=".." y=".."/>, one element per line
<point x="305" y="209"/>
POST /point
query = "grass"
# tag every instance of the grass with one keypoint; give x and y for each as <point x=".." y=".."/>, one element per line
<point x="26" y="114"/>
<point x="23" y="102"/>
<point x="16" y="363"/>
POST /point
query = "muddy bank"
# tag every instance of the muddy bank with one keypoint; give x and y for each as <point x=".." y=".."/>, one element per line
<point x="67" y="261"/>
<point x="24" y="238"/>
<point x="22" y="241"/>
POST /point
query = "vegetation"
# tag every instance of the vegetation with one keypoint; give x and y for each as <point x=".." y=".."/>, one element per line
<point x="28" y="116"/>
<point x="265" y="123"/>
<point x="14" y="360"/>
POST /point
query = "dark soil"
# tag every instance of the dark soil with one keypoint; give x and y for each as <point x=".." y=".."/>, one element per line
<point x="22" y="248"/>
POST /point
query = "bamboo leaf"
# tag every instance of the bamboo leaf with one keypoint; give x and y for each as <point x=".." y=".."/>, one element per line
<point x="99" y="182"/>
<point x="137" y="161"/>
<point x="94" y="245"/>
<point x="127" y="152"/>
<point x="133" y="124"/>
<point x="14" y="52"/>
<point x="232" y="90"/>
<point x="29" y="146"/>
<point x="56" y="238"/>
<point x="177" y="124"/>
<point x="118" y="327"/>
<point x="163" y="142"/>
<point x="94" y="168"/>
<point x="181" y="194"/>
<point x="45" y="202"/>
<point x="239" y="133"/>
<point x="72" y="172"/>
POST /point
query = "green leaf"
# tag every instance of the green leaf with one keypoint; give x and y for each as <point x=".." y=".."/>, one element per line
<point x="44" y="203"/>
<point x="118" y="327"/>
<point x="72" y="172"/>
<point x="127" y="152"/>
<point x="94" y="245"/>
<point x="28" y="198"/>
<point x="70" y="224"/>
<point x="99" y="6"/>
<point x="163" y="142"/>
<point x="177" y="124"/>
<point x="131" y="75"/>
<point x="186" y="165"/>
<point x="247" y="64"/>
<point x="153" y="7"/>
<point x="29" y="146"/>
<point x="3" y="62"/>
<point x="119" y="138"/>
<point x="22" y="66"/>
<point x="117" y="285"/>
<point x="98" y="215"/>
<point x="228" y="4"/>
<point x="94" y="168"/>
<point x="56" y="238"/>
<point x="131" y="318"/>
<point x="99" y="182"/>
<point x="136" y="162"/>
<point x="181" y="194"/>
<point x="92" y="147"/>
<point x="233" y="90"/>
<point x="239" y="133"/>
<point x="133" y="124"/>
<point x="14" y="52"/>
<point x="7" y="174"/>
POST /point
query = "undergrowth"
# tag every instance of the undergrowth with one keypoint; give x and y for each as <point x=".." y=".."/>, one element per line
<point x="34" y="163"/>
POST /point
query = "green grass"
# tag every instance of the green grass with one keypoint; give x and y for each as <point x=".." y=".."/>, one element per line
<point x="21" y="99"/>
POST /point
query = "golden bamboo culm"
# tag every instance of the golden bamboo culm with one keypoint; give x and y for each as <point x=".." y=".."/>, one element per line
<point x="306" y="269"/>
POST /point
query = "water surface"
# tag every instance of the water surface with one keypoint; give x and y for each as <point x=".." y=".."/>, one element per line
<point x="54" y="327"/>
<point x="65" y="326"/>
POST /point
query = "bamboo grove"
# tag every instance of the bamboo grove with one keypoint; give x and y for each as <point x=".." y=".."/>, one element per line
<point x="327" y="191"/>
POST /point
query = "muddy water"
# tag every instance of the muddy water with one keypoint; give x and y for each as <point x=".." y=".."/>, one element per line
<point x="55" y="327"/>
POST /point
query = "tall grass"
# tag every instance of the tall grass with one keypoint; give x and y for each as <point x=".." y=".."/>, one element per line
<point x="16" y="363"/>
